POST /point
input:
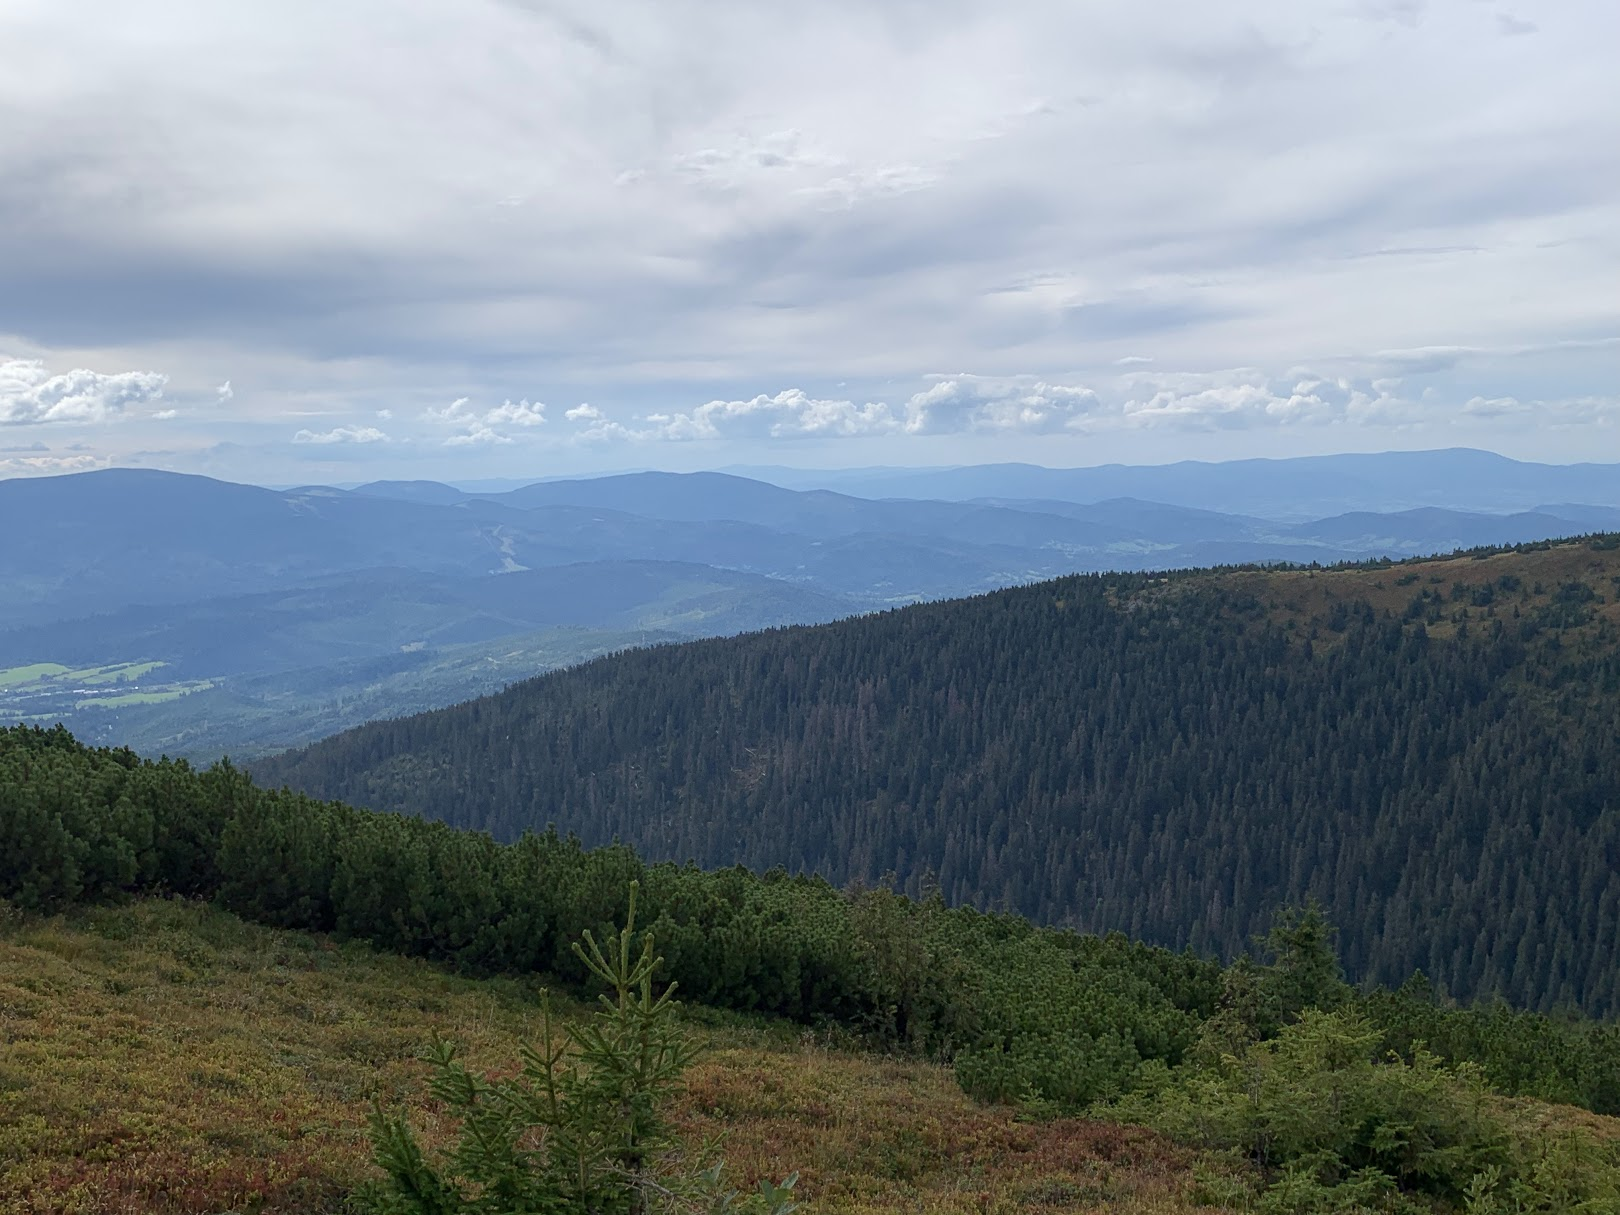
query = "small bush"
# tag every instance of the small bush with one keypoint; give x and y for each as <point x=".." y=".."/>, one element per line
<point x="578" y="1131"/>
<point x="1332" y="1127"/>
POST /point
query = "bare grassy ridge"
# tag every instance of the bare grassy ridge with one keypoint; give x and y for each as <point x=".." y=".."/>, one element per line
<point x="1303" y="599"/>
<point x="168" y="1058"/>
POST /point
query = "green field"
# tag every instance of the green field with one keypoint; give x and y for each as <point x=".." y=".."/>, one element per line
<point x="34" y="673"/>
<point x="156" y="697"/>
<point x="50" y="676"/>
<point x="45" y="692"/>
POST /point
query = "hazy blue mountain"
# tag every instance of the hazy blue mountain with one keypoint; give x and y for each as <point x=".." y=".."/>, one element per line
<point x="101" y="540"/>
<point x="1289" y="489"/>
<point x="1431" y="529"/>
<point x="434" y="493"/>
<point x="229" y="585"/>
<point x="373" y="613"/>
<point x="717" y="497"/>
<point x="1156" y="521"/>
<point x="1597" y="518"/>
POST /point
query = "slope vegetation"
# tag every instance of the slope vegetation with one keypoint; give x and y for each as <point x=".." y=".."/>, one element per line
<point x="1429" y="748"/>
<point x="1316" y="1097"/>
<point x="167" y="1059"/>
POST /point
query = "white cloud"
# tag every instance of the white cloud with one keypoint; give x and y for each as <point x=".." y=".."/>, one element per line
<point x="478" y="435"/>
<point x="342" y="434"/>
<point x="165" y="415"/>
<point x="791" y="413"/>
<point x="980" y="404"/>
<point x="50" y="466"/>
<point x="31" y="394"/>
<point x="521" y="414"/>
<point x="1245" y="398"/>
<point x="224" y="392"/>
<point x="478" y="429"/>
<point x="584" y="412"/>
<point x="1235" y="400"/>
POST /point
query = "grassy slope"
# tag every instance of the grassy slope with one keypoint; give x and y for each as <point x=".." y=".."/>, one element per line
<point x="171" y="1059"/>
<point x="1302" y="598"/>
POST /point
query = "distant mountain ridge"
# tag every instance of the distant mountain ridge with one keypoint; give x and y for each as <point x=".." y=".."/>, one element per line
<point x="1292" y="489"/>
<point x="225" y="583"/>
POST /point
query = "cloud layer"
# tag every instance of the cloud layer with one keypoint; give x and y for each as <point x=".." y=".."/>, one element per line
<point x="932" y="222"/>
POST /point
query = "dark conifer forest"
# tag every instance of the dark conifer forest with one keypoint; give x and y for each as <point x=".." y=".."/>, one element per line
<point x="1430" y="749"/>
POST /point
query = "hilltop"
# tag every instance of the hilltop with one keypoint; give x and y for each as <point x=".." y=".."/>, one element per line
<point x="1427" y="747"/>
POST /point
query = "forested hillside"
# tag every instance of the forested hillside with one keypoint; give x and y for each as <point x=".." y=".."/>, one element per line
<point x="1430" y="748"/>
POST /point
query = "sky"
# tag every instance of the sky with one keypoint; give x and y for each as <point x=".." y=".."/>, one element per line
<point x="299" y="242"/>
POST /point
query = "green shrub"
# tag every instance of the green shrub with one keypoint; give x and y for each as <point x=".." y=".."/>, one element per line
<point x="1333" y="1127"/>
<point x="578" y="1130"/>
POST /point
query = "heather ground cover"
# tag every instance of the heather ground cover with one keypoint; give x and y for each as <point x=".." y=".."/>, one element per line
<point x="165" y="1057"/>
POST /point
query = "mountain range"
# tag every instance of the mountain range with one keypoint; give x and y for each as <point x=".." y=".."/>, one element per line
<point x="254" y="616"/>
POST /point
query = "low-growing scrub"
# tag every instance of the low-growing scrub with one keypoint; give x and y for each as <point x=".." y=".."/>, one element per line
<point x="1331" y="1123"/>
<point x="134" y="1082"/>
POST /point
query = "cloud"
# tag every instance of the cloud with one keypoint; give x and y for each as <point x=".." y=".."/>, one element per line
<point x="478" y="435"/>
<point x="50" y="466"/>
<point x="789" y="414"/>
<point x="478" y="429"/>
<point x="224" y="392"/>
<point x="848" y="189"/>
<point x="584" y="412"/>
<point x="1403" y="12"/>
<point x="1245" y="399"/>
<point x="622" y="204"/>
<point x="30" y="394"/>
<point x="342" y="434"/>
<point x="521" y="414"/>
<point x="742" y="158"/>
<point x="976" y="404"/>
<point x="165" y="415"/>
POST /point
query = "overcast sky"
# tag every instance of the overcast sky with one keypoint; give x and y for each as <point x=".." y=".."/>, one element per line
<point x="299" y="241"/>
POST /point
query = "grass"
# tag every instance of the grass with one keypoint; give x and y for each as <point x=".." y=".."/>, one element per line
<point x="168" y="1058"/>
<point x="123" y="672"/>
<point x="162" y="696"/>
<point x="1302" y="600"/>
<point x="33" y="673"/>
<point x="54" y="673"/>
